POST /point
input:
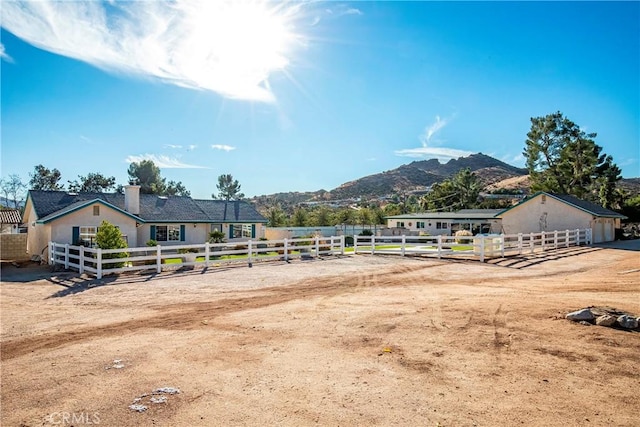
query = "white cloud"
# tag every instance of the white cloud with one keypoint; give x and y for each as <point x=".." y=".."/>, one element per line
<point x="4" y="55"/>
<point x="223" y="147"/>
<point x="440" y="153"/>
<point x="229" y="47"/>
<point x="163" y="161"/>
<point x="433" y="129"/>
<point x="172" y="146"/>
<point x="352" y="11"/>
<point x="192" y="147"/>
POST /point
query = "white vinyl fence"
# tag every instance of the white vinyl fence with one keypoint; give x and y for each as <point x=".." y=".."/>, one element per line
<point x="480" y="246"/>
<point x="97" y="262"/>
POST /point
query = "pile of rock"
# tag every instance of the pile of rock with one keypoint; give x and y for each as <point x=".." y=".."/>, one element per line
<point x="605" y="316"/>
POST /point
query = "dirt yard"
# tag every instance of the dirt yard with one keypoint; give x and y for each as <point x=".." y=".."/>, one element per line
<point x="349" y="341"/>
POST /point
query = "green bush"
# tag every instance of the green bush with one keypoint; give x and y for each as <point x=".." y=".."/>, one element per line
<point x="152" y="243"/>
<point x="366" y="233"/>
<point x="110" y="237"/>
<point x="348" y="240"/>
<point x="216" y="236"/>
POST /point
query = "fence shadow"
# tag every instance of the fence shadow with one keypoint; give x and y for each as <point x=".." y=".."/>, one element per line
<point x="523" y="261"/>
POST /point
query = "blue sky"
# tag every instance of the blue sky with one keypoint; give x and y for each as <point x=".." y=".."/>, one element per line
<point x="306" y="96"/>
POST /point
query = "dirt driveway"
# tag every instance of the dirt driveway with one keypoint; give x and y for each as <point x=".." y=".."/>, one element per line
<point x="349" y="341"/>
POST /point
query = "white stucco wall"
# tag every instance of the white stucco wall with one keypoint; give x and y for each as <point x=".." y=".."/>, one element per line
<point x="62" y="228"/>
<point x="534" y="216"/>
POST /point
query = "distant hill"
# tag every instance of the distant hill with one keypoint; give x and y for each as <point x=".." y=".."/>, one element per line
<point x="494" y="174"/>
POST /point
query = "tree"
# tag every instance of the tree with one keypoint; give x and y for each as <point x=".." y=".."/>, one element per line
<point x="276" y="217"/>
<point x="92" y="183"/>
<point x="562" y="158"/>
<point x="176" y="189"/>
<point x="45" y="179"/>
<point x="322" y="217"/>
<point x="13" y="190"/>
<point x="228" y="188"/>
<point x="147" y="175"/>
<point x="300" y="218"/>
<point x="108" y="236"/>
<point x="458" y="192"/>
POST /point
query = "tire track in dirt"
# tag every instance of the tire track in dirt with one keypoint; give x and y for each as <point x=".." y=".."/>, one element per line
<point x="189" y="315"/>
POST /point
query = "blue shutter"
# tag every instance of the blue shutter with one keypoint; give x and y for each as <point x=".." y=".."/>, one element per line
<point x="231" y="231"/>
<point x="153" y="232"/>
<point x="182" y="231"/>
<point x="75" y="235"/>
<point x="253" y="231"/>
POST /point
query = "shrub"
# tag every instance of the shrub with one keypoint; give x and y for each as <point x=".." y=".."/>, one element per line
<point x="110" y="237"/>
<point x="151" y="243"/>
<point x="216" y="236"/>
<point x="366" y="233"/>
<point x="460" y="234"/>
<point x="348" y="240"/>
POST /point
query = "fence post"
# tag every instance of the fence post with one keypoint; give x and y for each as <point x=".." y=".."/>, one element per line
<point x="439" y="238"/>
<point x="81" y="262"/>
<point x="341" y="244"/>
<point x="99" y="263"/>
<point x="317" y="246"/>
<point x="589" y="236"/>
<point x="532" y="242"/>
<point x="555" y="239"/>
<point x="543" y="239"/>
<point x="519" y="243"/>
<point x="502" y="245"/>
<point x="355" y="244"/>
<point x="404" y="244"/>
<point x="52" y="253"/>
<point x="159" y="259"/>
<point x="249" y="247"/>
<point x="373" y="244"/>
<point x="207" y="254"/>
<point x="566" y="238"/>
<point x="482" y="247"/>
<point x="66" y="256"/>
<point x="286" y="249"/>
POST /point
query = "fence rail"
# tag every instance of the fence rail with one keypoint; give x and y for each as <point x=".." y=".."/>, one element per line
<point x="479" y="246"/>
<point x="97" y="262"/>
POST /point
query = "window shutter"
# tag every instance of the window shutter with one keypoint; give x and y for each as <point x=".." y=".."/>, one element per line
<point x="253" y="231"/>
<point x="75" y="235"/>
<point x="231" y="231"/>
<point x="153" y="232"/>
<point x="182" y="231"/>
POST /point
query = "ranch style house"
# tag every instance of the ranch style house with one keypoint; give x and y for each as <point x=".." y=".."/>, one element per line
<point x="540" y="212"/>
<point x="74" y="218"/>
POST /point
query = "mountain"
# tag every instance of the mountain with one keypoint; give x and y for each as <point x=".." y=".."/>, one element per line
<point x="418" y="175"/>
<point x="424" y="173"/>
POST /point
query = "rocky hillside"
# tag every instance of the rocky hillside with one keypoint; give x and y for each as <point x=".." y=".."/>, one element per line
<point x="424" y="173"/>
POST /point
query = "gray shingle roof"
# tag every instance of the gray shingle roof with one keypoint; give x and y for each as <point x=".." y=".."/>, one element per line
<point x="152" y="207"/>
<point x="459" y="215"/>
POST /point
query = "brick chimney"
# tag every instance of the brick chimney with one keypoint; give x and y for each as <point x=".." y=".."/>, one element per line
<point x="132" y="199"/>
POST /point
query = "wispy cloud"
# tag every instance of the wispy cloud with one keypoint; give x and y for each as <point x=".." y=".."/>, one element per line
<point x="223" y="147"/>
<point x="433" y="129"/>
<point x="163" y="161"/>
<point x="439" y="153"/>
<point x="229" y="47"/>
<point x="173" y="146"/>
<point x="4" y="55"/>
<point x="192" y="147"/>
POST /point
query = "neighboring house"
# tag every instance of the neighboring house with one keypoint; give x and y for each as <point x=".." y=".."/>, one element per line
<point x="10" y="220"/>
<point x="540" y="212"/>
<point x="549" y="212"/>
<point x="64" y="217"/>
<point x="445" y="223"/>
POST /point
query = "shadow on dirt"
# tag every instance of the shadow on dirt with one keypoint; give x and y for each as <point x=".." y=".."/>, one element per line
<point x="529" y="260"/>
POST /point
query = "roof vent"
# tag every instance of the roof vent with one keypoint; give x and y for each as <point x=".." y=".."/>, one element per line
<point x="162" y="197"/>
<point x="70" y="193"/>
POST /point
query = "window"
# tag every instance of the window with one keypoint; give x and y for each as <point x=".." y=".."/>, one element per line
<point x="442" y="225"/>
<point x="88" y="235"/>
<point x="420" y="224"/>
<point x="96" y="210"/>
<point x="168" y="233"/>
<point x="216" y="227"/>
<point x="242" y="230"/>
<point x="400" y="224"/>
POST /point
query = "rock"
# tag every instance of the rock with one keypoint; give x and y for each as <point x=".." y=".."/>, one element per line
<point x="584" y="314"/>
<point x="585" y="323"/>
<point x="605" y="320"/>
<point x="628" y="322"/>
